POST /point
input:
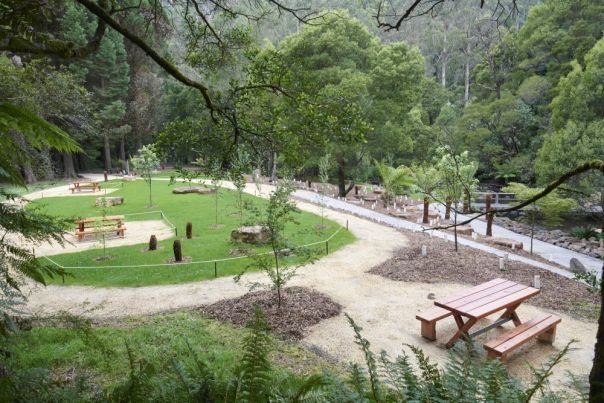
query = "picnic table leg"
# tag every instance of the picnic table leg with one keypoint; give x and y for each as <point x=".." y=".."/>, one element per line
<point x="463" y="329"/>
<point x="510" y="312"/>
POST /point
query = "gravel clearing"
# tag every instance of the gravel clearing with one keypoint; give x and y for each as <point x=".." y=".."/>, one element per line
<point x="470" y="266"/>
<point x="385" y="308"/>
<point x="300" y="309"/>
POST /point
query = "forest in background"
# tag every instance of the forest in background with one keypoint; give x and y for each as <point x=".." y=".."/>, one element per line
<point x="521" y="91"/>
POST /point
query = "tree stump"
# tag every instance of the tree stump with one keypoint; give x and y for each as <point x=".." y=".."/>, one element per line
<point x="153" y="242"/>
<point x="177" y="251"/>
<point x="254" y="234"/>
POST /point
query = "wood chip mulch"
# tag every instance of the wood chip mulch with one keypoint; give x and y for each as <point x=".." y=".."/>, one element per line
<point x="300" y="309"/>
<point x="473" y="267"/>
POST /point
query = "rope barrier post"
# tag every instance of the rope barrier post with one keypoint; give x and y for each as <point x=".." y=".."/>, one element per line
<point x="346" y="225"/>
<point x="327" y="247"/>
<point x="161" y="215"/>
<point x="176" y="231"/>
<point x="215" y="269"/>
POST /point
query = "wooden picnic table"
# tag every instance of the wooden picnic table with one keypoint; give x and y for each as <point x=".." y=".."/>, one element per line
<point x="82" y="222"/>
<point x="81" y="185"/>
<point x="473" y="304"/>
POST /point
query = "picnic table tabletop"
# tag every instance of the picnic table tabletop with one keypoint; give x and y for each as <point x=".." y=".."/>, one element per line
<point x="106" y="218"/>
<point x="76" y="183"/>
<point x="483" y="300"/>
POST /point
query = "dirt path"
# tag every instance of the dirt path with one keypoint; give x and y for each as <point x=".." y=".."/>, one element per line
<point x="385" y="309"/>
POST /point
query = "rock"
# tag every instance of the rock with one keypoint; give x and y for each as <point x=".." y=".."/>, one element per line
<point x="431" y="296"/>
<point x="109" y="201"/>
<point x="254" y="234"/>
<point x="576" y="266"/>
<point x="185" y="190"/>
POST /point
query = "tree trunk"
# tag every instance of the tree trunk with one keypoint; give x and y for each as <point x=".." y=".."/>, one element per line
<point x="448" y="202"/>
<point x="466" y="202"/>
<point x="107" y="152"/>
<point x="426" y="208"/>
<point x="28" y="173"/>
<point x="274" y="168"/>
<point x="68" y="167"/>
<point x="455" y="228"/>
<point x="490" y="217"/>
<point x="445" y="57"/>
<point x="466" y="93"/>
<point x="122" y="149"/>
<point x="341" y="179"/>
<point x="596" y="376"/>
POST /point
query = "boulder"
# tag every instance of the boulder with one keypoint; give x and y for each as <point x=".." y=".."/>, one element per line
<point x="192" y="189"/>
<point x="110" y="201"/>
<point x="576" y="266"/>
<point x="254" y="234"/>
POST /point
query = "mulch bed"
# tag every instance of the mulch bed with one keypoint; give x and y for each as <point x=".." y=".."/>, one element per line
<point x="470" y="266"/>
<point x="300" y="309"/>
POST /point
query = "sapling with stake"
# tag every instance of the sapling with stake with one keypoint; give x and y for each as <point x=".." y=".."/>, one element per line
<point x="279" y="212"/>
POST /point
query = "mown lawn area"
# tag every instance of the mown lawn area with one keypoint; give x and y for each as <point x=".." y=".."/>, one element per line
<point x="208" y="242"/>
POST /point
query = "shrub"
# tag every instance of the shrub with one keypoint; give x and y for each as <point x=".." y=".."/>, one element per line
<point x="177" y="251"/>
<point x="585" y="232"/>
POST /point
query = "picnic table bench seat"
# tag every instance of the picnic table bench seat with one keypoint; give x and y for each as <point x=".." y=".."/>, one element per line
<point x="428" y="321"/>
<point x="541" y="326"/>
<point x="105" y="228"/>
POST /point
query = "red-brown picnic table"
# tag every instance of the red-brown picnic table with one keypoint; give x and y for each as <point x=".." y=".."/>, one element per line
<point x="82" y="222"/>
<point x="483" y="300"/>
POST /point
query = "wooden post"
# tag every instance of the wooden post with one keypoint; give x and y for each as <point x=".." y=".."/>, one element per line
<point x="215" y="269"/>
<point x="327" y="247"/>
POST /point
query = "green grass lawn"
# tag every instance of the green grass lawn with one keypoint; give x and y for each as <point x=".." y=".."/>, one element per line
<point x="73" y="347"/>
<point x="208" y="243"/>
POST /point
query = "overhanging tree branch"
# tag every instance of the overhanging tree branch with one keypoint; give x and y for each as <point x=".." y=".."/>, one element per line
<point x="168" y="67"/>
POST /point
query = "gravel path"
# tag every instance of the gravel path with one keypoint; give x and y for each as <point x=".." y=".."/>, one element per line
<point x="386" y="309"/>
<point x="404" y="224"/>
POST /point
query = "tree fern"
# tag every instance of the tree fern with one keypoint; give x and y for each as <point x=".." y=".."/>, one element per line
<point x="137" y="386"/>
<point x="400" y="376"/>
<point x="541" y="375"/>
<point x="370" y="361"/>
<point x="255" y="367"/>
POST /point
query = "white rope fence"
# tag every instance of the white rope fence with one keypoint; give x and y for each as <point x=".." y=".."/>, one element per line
<point x="199" y="262"/>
